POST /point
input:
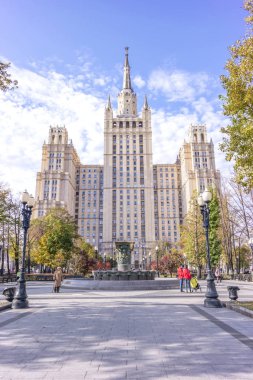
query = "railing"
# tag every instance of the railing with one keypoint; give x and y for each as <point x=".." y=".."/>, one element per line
<point x="242" y="277"/>
<point x="8" y="278"/>
<point x="33" y="277"/>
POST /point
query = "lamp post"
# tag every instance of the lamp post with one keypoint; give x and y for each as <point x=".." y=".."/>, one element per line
<point x="211" y="295"/>
<point x="251" y="247"/>
<point x="104" y="258"/>
<point x="157" y="251"/>
<point x="20" y="299"/>
<point x="96" y="252"/>
<point x="149" y="260"/>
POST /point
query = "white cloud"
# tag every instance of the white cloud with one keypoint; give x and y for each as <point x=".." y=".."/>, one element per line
<point x="178" y="85"/>
<point x="138" y="81"/>
<point x="27" y="113"/>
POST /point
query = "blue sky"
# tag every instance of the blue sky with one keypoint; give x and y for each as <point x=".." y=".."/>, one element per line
<point x="68" y="56"/>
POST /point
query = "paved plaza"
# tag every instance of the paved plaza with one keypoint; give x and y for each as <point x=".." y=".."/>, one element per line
<point x="116" y="335"/>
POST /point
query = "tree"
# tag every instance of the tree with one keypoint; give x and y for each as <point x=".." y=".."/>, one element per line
<point x="56" y="243"/>
<point x="6" y="83"/>
<point x="84" y="258"/>
<point x="215" y="230"/>
<point x="238" y="105"/>
<point x="192" y="236"/>
<point x="171" y="261"/>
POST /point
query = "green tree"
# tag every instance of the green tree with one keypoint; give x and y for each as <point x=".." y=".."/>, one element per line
<point x="84" y="258"/>
<point x="192" y="236"/>
<point x="238" y="105"/>
<point x="57" y="240"/>
<point x="215" y="230"/>
<point x="6" y="83"/>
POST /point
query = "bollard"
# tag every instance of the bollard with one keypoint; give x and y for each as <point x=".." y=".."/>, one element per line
<point x="233" y="292"/>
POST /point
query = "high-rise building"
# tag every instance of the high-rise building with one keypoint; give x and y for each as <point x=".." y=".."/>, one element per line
<point x="128" y="198"/>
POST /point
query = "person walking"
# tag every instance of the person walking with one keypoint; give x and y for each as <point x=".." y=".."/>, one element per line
<point x="218" y="275"/>
<point x="187" y="277"/>
<point x="57" y="279"/>
<point x="180" y="276"/>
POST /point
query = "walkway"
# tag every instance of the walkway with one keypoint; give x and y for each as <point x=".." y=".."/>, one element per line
<point x="124" y="335"/>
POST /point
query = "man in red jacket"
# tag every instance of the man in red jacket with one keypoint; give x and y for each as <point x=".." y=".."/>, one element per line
<point x="180" y="276"/>
<point x="187" y="277"/>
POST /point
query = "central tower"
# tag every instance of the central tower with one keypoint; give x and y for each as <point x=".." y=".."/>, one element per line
<point x="128" y="172"/>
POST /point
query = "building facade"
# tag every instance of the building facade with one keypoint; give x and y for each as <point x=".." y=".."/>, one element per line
<point x="128" y="198"/>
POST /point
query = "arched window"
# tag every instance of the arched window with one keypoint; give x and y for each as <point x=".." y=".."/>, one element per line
<point x="60" y="139"/>
<point x="195" y="137"/>
<point x="202" y="137"/>
<point x="53" y="139"/>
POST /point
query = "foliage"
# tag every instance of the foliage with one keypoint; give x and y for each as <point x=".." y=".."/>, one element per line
<point x="215" y="230"/>
<point x="6" y="83"/>
<point x="238" y="105"/>
<point x="83" y="260"/>
<point x="193" y="241"/>
<point x="10" y="228"/>
<point x="56" y="243"/>
<point x="171" y="261"/>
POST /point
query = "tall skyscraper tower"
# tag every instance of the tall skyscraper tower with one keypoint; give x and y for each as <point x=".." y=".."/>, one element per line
<point x="128" y="171"/>
<point x="198" y="169"/>
<point x="128" y="198"/>
<point x="56" y="183"/>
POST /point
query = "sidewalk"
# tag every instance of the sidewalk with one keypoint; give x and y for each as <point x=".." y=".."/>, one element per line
<point x="112" y="335"/>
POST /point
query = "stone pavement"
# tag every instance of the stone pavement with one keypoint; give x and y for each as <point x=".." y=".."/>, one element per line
<point x="160" y="334"/>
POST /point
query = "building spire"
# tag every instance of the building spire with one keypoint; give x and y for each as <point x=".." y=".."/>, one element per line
<point x="145" y="105"/>
<point x="109" y="106"/>
<point x="126" y="79"/>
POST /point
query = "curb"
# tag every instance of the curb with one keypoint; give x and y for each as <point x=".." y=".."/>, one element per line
<point x="239" y="309"/>
<point x="6" y="306"/>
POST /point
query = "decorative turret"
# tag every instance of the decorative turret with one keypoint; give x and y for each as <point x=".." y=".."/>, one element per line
<point x="145" y="105"/>
<point x="108" y="106"/>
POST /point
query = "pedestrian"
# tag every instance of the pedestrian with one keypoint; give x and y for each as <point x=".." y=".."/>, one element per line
<point x="218" y="274"/>
<point x="57" y="279"/>
<point x="180" y="276"/>
<point x="187" y="277"/>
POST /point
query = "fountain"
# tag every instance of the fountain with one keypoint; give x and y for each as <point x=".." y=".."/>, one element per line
<point x="123" y="277"/>
<point x="124" y="272"/>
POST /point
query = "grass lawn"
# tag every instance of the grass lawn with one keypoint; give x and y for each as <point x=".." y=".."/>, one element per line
<point x="247" y="305"/>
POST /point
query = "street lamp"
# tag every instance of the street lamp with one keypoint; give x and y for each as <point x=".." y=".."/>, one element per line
<point x="157" y="251"/>
<point x="251" y="247"/>
<point x="20" y="299"/>
<point x="96" y="252"/>
<point x="149" y="260"/>
<point x="211" y="295"/>
<point x="104" y="258"/>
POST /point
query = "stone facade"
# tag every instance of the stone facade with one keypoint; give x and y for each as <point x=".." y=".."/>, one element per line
<point x="128" y="198"/>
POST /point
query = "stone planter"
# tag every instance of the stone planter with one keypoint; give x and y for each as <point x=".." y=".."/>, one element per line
<point x="9" y="293"/>
<point x="233" y="292"/>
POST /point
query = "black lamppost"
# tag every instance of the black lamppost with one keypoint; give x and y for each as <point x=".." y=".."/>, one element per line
<point x="96" y="252"/>
<point x="157" y="252"/>
<point x="211" y="299"/>
<point x="20" y="299"/>
<point x="149" y="260"/>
